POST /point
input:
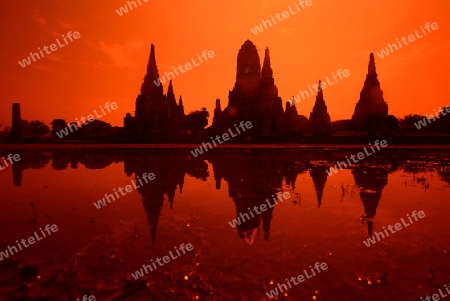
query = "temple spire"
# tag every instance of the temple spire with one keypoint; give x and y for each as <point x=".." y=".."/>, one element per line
<point x="371" y="110"/>
<point x="248" y="70"/>
<point x="320" y="102"/>
<point x="319" y="118"/>
<point x="171" y="100"/>
<point x="372" y="69"/>
<point x="218" y="107"/>
<point x="180" y="105"/>
<point x="148" y="86"/>
<point x="152" y="69"/>
<point x="170" y="89"/>
<point x="266" y="69"/>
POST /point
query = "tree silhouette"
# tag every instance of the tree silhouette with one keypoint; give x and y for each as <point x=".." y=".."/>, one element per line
<point x="197" y="120"/>
<point x="57" y="125"/>
<point x="38" y="128"/>
<point x="410" y="119"/>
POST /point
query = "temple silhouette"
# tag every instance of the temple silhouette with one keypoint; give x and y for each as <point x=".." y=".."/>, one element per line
<point x="156" y="113"/>
<point x="371" y="111"/>
<point x="254" y="96"/>
<point x="159" y="117"/>
<point x="319" y="118"/>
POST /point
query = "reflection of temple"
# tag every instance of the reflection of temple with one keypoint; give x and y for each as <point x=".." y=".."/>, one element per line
<point x="371" y="181"/>
<point x="27" y="161"/>
<point x="249" y="229"/>
<point x="319" y="176"/>
<point x="169" y="171"/>
<point x="17" y="170"/>
<point x="253" y="177"/>
<point x="251" y="180"/>
<point x="94" y="159"/>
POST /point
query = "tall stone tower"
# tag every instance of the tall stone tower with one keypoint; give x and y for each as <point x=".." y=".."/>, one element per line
<point x="270" y="106"/>
<point x="175" y="112"/>
<point x="150" y="102"/>
<point x="371" y="111"/>
<point x="242" y="98"/>
<point x="248" y="71"/>
<point x="16" y="122"/>
<point x="156" y="113"/>
<point x="319" y="118"/>
<point x="254" y="96"/>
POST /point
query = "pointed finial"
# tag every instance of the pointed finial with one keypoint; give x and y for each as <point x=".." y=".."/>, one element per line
<point x="266" y="71"/>
<point x="152" y="69"/>
<point x="218" y="106"/>
<point x="372" y="69"/>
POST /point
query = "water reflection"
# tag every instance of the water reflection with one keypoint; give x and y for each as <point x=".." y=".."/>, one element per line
<point x="314" y="224"/>
<point x="252" y="175"/>
<point x="170" y="170"/>
<point x="251" y="179"/>
<point x="319" y="176"/>
<point x="371" y="182"/>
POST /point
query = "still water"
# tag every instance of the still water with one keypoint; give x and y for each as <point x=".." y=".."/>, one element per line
<point x="194" y="200"/>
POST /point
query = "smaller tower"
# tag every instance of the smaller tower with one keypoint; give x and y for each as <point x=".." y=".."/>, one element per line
<point x="180" y="106"/>
<point x="319" y="118"/>
<point x="16" y="122"/>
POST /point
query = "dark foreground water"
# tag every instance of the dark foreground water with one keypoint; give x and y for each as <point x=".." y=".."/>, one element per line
<point x="193" y="200"/>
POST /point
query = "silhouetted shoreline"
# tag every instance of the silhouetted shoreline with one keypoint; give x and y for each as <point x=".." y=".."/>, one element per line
<point x="323" y="146"/>
<point x="279" y="142"/>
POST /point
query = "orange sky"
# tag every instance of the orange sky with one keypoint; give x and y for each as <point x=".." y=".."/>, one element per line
<point x="108" y="61"/>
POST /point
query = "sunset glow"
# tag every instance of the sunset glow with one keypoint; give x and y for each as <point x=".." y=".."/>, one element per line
<point x="108" y="60"/>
